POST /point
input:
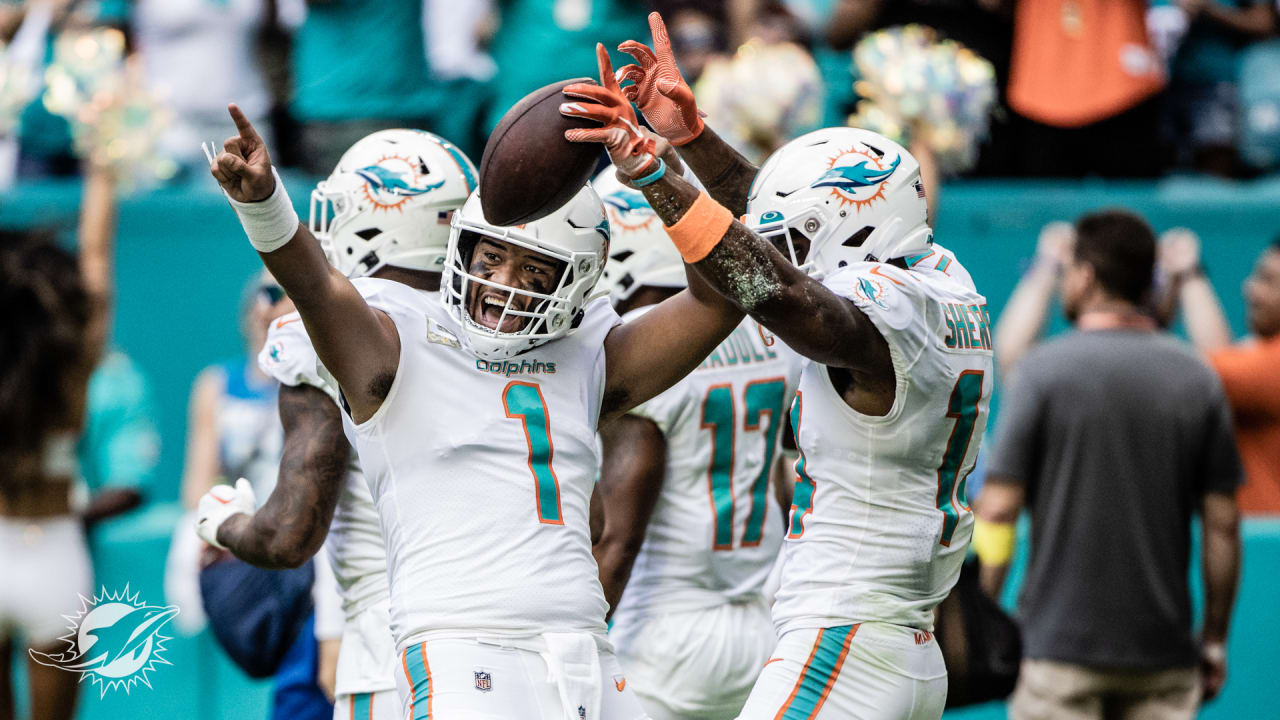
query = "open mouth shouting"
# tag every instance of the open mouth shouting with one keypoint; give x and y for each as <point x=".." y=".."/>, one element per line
<point x="488" y="304"/>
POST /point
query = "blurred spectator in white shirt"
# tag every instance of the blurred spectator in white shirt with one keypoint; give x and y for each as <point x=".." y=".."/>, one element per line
<point x="201" y="55"/>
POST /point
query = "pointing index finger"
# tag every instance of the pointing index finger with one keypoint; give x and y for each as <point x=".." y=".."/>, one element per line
<point x="242" y="123"/>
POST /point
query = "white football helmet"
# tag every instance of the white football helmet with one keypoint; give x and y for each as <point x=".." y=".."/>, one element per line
<point x="577" y="235"/>
<point x="640" y="253"/>
<point x="389" y="202"/>
<point x="854" y="194"/>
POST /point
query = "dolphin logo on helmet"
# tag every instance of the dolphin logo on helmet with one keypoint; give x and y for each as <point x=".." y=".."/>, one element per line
<point x="420" y="176"/>
<point x="389" y="181"/>
<point x="850" y="177"/>
<point x="853" y="194"/>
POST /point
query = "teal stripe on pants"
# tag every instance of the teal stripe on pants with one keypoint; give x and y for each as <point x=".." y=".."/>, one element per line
<point x="415" y="663"/>
<point x="362" y="706"/>
<point x="822" y="668"/>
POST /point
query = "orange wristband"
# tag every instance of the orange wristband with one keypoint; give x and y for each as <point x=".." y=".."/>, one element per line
<point x="700" y="229"/>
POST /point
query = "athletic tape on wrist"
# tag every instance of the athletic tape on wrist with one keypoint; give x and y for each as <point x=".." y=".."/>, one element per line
<point x="700" y="229"/>
<point x="269" y="223"/>
<point x="652" y="177"/>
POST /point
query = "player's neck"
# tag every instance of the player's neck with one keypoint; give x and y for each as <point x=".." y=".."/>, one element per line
<point x="416" y="279"/>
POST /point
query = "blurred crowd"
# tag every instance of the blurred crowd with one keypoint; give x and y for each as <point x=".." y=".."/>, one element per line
<point x="1042" y="88"/>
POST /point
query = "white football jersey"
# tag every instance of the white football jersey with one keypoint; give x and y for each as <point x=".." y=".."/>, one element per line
<point x="716" y="528"/>
<point x="482" y="472"/>
<point x="880" y="523"/>
<point x="355" y="545"/>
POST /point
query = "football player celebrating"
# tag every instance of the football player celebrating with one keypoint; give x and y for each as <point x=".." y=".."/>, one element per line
<point x="891" y="408"/>
<point x="692" y="527"/>
<point x="474" y="416"/>
<point x="368" y="231"/>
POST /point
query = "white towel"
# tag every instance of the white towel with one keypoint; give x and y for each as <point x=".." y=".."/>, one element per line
<point x="573" y="663"/>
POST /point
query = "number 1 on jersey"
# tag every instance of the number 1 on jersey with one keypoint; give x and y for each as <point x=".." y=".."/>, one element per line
<point x="963" y="406"/>
<point x="524" y="401"/>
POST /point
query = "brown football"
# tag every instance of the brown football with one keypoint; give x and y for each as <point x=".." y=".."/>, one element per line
<point x="529" y="169"/>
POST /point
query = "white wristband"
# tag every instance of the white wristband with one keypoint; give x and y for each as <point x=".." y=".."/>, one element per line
<point x="269" y="223"/>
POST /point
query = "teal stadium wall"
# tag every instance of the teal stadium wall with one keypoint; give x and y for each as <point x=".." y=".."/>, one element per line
<point x="182" y="259"/>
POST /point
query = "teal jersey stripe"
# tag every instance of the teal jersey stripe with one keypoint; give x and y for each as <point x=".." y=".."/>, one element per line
<point x="362" y="706"/>
<point x="415" y="663"/>
<point x="819" y="673"/>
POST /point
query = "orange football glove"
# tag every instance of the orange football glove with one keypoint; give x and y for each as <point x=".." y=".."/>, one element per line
<point x="660" y="91"/>
<point x="631" y="150"/>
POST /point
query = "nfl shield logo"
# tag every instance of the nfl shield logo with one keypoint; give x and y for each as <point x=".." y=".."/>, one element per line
<point x="582" y="712"/>
<point x="484" y="681"/>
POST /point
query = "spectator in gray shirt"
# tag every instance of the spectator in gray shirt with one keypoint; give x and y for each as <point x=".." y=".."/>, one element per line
<point x="1113" y="436"/>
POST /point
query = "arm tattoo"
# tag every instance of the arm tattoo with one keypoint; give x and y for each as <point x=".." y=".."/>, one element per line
<point x="291" y="526"/>
<point x="754" y="276"/>
<point x="743" y="266"/>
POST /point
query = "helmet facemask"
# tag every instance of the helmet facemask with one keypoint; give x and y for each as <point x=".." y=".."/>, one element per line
<point x="574" y="239"/>
<point x="544" y="317"/>
<point x="331" y="207"/>
<point x="781" y="233"/>
<point x="529" y="310"/>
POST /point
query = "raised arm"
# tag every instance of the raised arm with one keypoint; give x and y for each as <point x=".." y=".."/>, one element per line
<point x="648" y="355"/>
<point x="292" y="524"/>
<point x="668" y="105"/>
<point x="97" y="249"/>
<point x="758" y="280"/>
<point x="651" y="353"/>
<point x="631" y="477"/>
<point x="1189" y="286"/>
<point x="736" y="271"/>
<point x="1022" y="321"/>
<point x="740" y="265"/>
<point x="358" y="344"/>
